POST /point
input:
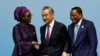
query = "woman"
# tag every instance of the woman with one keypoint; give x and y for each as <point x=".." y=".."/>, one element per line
<point x="24" y="34"/>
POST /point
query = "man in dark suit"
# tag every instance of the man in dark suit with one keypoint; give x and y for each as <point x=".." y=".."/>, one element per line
<point x="54" y="35"/>
<point x="82" y="34"/>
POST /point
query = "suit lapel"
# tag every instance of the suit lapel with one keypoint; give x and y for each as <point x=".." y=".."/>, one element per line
<point x="44" y="29"/>
<point x="78" y="39"/>
<point x="53" y="31"/>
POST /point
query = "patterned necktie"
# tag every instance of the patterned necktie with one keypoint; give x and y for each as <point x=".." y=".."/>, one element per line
<point x="48" y="33"/>
<point x="75" y="32"/>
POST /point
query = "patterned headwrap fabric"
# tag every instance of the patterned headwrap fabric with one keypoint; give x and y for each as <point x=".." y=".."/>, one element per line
<point x="20" y="12"/>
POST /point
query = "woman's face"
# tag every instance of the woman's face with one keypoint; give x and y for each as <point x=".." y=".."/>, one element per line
<point x="27" y="18"/>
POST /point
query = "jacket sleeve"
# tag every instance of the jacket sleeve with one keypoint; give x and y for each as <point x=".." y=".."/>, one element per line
<point x="92" y="39"/>
<point x="65" y="39"/>
<point x="21" y="47"/>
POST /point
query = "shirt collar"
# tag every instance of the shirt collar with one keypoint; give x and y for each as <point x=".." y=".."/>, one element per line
<point x="52" y="23"/>
<point x="79" y="23"/>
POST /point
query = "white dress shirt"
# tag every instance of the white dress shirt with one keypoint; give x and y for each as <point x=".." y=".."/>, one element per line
<point x="50" y="28"/>
<point x="79" y="24"/>
<point x="76" y="28"/>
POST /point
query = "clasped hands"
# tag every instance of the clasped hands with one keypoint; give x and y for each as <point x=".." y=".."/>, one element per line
<point x="36" y="45"/>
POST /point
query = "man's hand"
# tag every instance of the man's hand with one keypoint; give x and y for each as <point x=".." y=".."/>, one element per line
<point x="35" y="44"/>
<point x="65" y="54"/>
<point x="36" y="47"/>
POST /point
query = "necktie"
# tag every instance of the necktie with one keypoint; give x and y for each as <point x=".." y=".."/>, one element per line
<point x="75" y="32"/>
<point x="48" y="33"/>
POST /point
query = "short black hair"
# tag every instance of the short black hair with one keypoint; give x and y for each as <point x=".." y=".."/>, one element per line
<point x="78" y="9"/>
<point x="48" y="7"/>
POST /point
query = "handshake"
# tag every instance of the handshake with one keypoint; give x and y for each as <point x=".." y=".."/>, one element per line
<point x="36" y="45"/>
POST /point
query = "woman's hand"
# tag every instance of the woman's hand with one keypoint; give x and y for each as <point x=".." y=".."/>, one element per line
<point x="34" y="42"/>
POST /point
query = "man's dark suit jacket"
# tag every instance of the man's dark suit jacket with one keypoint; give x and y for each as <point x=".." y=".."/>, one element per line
<point x="58" y="42"/>
<point x="86" y="41"/>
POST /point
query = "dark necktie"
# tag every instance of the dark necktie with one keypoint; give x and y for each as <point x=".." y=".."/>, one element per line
<point x="48" y="33"/>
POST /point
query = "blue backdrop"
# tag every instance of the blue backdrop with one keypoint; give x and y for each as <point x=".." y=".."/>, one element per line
<point x="91" y="11"/>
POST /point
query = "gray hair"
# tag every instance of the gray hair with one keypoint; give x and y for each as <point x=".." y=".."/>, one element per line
<point x="48" y="7"/>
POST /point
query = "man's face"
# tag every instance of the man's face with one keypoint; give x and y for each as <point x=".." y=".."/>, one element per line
<point x="75" y="16"/>
<point x="47" y="16"/>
